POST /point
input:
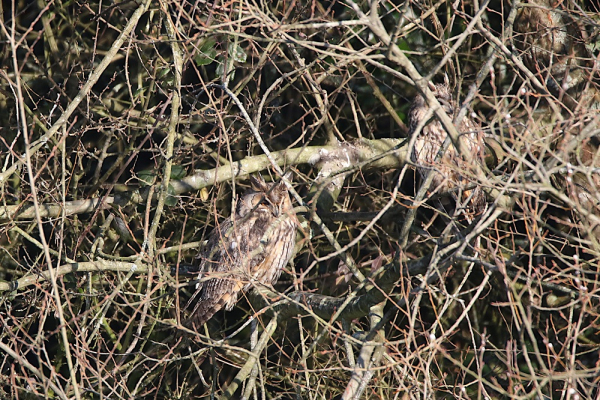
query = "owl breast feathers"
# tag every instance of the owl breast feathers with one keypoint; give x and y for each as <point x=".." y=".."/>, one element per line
<point x="249" y="248"/>
<point x="450" y="170"/>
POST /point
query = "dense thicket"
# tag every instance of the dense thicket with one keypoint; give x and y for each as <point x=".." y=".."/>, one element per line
<point x="129" y="129"/>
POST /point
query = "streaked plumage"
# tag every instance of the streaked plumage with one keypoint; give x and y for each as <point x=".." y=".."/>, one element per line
<point x="249" y="248"/>
<point x="450" y="170"/>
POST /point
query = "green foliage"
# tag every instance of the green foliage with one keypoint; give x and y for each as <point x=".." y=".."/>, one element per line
<point x="207" y="53"/>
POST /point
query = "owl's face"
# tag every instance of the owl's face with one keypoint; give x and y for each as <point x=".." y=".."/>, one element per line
<point x="420" y="107"/>
<point x="443" y="94"/>
<point x="263" y="197"/>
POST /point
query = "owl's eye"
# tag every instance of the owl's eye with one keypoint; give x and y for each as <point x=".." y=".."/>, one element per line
<point x="447" y="106"/>
<point x="263" y="203"/>
<point x="257" y="199"/>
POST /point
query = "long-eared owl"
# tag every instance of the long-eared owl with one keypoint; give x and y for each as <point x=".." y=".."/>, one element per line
<point x="251" y="247"/>
<point x="450" y="171"/>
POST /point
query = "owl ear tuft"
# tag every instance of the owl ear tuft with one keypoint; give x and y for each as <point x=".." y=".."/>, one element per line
<point x="258" y="183"/>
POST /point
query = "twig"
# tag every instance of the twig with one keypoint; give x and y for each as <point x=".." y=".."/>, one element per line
<point x="87" y="87"/>
<point x="252" y="360"/>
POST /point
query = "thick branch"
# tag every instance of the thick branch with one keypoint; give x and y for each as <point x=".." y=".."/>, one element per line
<point x="383" y="153"/>
<point x="91" y="266"/>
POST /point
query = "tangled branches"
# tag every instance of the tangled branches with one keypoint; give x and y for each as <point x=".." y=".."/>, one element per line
<point x="131" y="128"/>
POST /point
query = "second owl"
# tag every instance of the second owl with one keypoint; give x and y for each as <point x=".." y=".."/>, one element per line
<point x="451" y="171"/>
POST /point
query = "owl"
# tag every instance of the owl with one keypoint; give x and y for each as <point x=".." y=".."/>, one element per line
<point x="450" y="170"/>
<point x="555" y="45"/>
<point x="251" y="247"/>
<point x="584" y="188"/>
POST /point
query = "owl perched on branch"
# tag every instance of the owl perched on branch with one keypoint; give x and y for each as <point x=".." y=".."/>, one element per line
<point x="250" y="247"/>
<point x="451" y="171"/>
